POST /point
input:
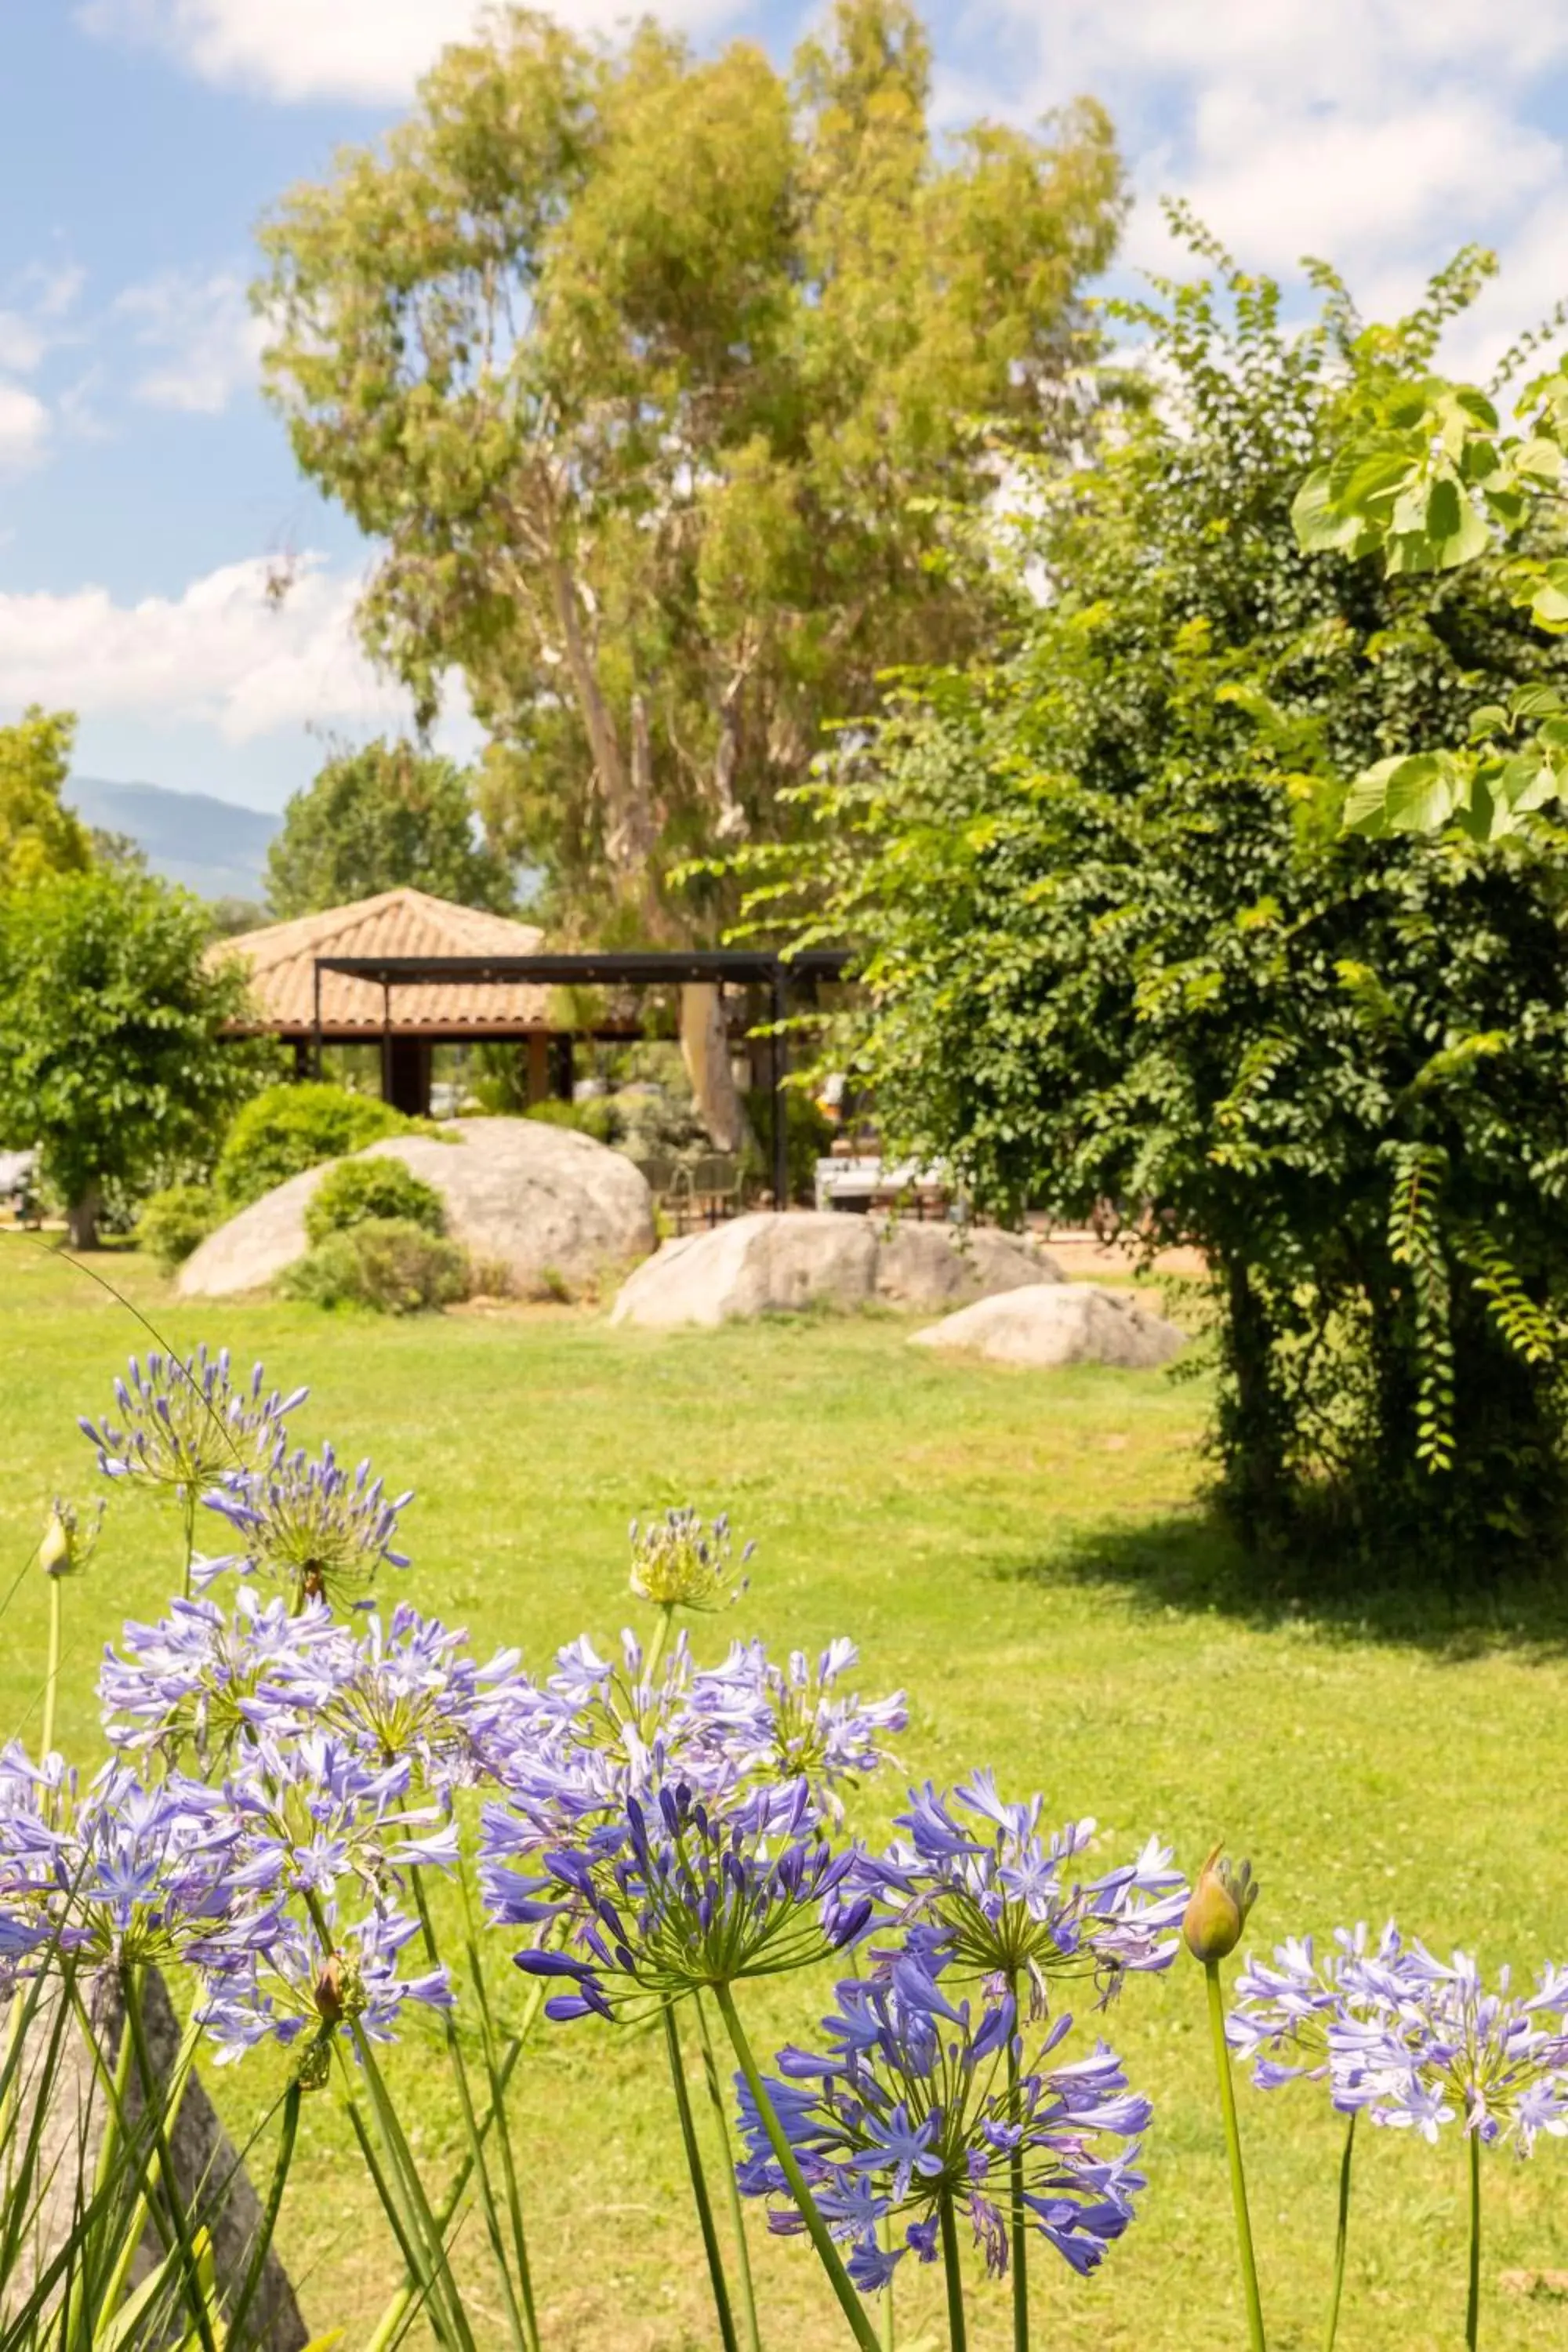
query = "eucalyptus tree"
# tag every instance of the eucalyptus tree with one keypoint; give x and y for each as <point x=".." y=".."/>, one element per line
<point x="664" y="384"/>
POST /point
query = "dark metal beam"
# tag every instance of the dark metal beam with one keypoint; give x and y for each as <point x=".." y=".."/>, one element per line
<point x="636" y="967"/>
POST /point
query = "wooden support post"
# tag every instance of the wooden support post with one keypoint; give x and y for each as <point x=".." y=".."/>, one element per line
<point x="780" y="1072"/>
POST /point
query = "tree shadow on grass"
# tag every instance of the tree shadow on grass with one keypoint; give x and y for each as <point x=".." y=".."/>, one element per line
<point x="1191" y="1561"/>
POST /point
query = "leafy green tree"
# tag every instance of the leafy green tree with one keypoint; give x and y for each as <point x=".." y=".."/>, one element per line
<point x="656" y="378"/>
<point x="1120" y="955"/>
<point x="114" y="1060"/>
<point x="376" y="819"/>
<point x="37" y="835"/>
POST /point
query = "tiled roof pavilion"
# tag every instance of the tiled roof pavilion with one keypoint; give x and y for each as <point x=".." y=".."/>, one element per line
<point x="406" y="922"/>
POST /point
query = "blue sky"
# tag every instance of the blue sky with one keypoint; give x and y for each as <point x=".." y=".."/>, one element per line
<point x="145" y="489"/>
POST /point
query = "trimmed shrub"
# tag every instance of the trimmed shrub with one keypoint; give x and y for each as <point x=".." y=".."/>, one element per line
<point x="388" y="1264"/>
<point x="173" y="1222"/>
<point x="291" y="1128"/>
<point x="357" y="1191"/>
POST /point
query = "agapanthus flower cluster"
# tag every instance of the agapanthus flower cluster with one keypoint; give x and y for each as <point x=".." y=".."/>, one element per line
<point x="202" y="1678"/>
<point x="680" y="1561"/>
<point x="571" y="1751"/>
<point x="910" y="2103"/>
<point x="789" y="1721"/>
<point x="684" y="1891"/>
<point x="316" y="1527"/>
<point x="186" y="1425"/>
<point x="124" y="1874"/>
<point x="1012" y="1906"/>
<point x="1413" y="2042"/>
<point x="292" y="1866"/>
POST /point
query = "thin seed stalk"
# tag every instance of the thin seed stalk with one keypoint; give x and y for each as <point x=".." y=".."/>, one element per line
<point x="1342" y="2235"/>
<point x="698" y="2180"/>
<point x="828" y="2253"/>
<point x="470" y="2125"/>
<point x="256" y="2269"/>
<point x="737" y="2212"/>
<point x="497" y="2111"/>
<point x="957" y="2335"/>
<point x="422" y="2229"/>
<point x="52" y="1665"/>
<point x="1248" y="2259"/>
<point x="389" y="2325"/>
<point x="152" y="2103"/>
<point x="1017" y="2222"/>
<point x="1473" y="2310"/>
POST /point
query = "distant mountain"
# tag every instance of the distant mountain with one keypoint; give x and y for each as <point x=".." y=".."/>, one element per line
<point x="213" y="847"/>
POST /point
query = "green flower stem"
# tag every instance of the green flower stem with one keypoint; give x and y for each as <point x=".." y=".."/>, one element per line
<point x="470" y="2125"/>
<point x="957" y="2336"/>
<point x="390" y="2326"/>
<point x="423" y="2231"/>
<point x="828" y="2253"/>
<point x="737" y="2210"/>
<point x="288" y="2133"/>
<point x="1342" y="2235"/>
<point x="1233" y="2149"/>
<point x="52" y="1668"/>
<point x="890" y="2334"/>
<point x="699" y="2182"/>
<point x="651" y="1663"/>
<point x="152" y="2103"/>
<point x="1473" y="2311"/>
<point x="188" y="1512"/>
<point x="498" y="2110"/>
<point x="1018" y="2218"/>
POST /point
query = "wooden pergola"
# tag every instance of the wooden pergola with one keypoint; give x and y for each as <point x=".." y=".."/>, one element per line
<point x="621" y="969"/>
<point x="405" y="972"/>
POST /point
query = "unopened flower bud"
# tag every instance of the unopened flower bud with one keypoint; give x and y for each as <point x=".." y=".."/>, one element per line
<point x="69" y="1539"/>
<point x="1216" y="1910"/>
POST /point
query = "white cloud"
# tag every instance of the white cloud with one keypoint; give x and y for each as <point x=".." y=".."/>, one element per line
<point x="24" y="426"/>
<point x="221" y="655"/>
<point x="207" y="344"/>
<point x="1379" y="134"/>
<point x="368" y="50"/>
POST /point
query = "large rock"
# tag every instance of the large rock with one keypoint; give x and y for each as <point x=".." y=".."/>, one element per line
<point x="551" y="1206"/>
<point x="764" y="1263"/>
<point x="1077" y="1324"/>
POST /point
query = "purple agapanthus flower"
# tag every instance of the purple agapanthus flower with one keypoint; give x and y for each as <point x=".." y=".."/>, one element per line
<point x="316" y="1527"/>
<point x="295" y="1984"/>
<point x="312" y="1811"/>
<point x="685" y="1890"/>
<point x="1413" y="2043"/>
<point x="790" y="1722"/>
<point x="1013" y="1908"/>
<point x="910" y="2103"/>
<point x="1286" y="2006"/>
<point x="184" y="1423"/>
<point x="201" y="1678"/>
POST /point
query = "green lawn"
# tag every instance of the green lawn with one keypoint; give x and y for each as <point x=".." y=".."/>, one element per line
<point x="1023" y="1554"/>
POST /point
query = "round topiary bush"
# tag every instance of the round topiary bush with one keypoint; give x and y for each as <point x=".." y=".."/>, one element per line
<point x="357" y="1191"/>
<point x="291" y="1128"/>
<point x="173" y="1222"/>
<point x="388" y="1264"/>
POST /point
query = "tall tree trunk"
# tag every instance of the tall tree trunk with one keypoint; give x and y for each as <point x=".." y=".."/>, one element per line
<point x="81" y="1218"/>
<point x="705" y="1049"/>
<point x="625" y="794"/>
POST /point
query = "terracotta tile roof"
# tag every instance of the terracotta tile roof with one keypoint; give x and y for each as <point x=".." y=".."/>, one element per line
<point x="396" y="923"/>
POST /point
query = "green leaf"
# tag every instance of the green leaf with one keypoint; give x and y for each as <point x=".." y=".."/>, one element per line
<point x="1318" y="526"/>
<point x="1420" y="793"/>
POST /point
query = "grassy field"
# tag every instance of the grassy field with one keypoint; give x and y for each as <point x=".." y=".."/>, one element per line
<point x="1025" y="1555"/>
